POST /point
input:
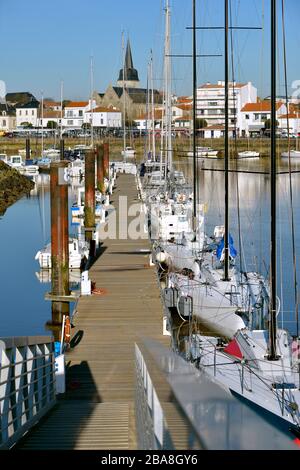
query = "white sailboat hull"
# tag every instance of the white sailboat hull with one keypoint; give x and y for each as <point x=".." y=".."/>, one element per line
<point x="248" y="154"/>
<point x="212" y="308"/>
<point x="294" y="154"/>
<point x="271" y="385"/>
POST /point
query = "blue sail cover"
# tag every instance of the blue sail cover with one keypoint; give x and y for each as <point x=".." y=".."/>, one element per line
<point x="232" y="250"/>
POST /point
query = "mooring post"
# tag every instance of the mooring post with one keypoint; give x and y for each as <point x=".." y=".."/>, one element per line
<point x="28" y="149"/>
<point x="100" y="167"/>
<point x="62" y="149"/>
<point x="89" y="206"/>
<point x="106" y="159"/>
<point x="59" y="244"/>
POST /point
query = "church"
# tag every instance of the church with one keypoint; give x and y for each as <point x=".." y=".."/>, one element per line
<point x="128" y="89"/>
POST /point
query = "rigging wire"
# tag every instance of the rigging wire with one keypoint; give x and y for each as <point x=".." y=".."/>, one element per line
<point x="296" y="299"/>
<point x="235" y="140"/>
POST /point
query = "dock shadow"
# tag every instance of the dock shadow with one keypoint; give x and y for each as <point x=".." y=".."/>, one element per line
<point x="66" y="424"/>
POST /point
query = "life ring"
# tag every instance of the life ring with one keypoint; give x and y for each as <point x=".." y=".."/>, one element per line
<point x="67" y="330"/>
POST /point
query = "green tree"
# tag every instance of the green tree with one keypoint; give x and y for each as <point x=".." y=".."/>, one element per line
<point x="51" y="125"/>
<point x="86" y="126"/>
<point x="65" y="103"/>
<point x="201" y="123"/>
<point x="268" y="124"/>
<point x="26" y="124"/>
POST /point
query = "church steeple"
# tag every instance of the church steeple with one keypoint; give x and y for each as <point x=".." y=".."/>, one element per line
<point x="128" y="74"/>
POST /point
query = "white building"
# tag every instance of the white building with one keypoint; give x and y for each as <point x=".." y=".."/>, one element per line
<point x="291" y="120"/>
<point x="216" y="131"/>
<point x="49" y="116"/>
<point x="7" y="118"/>
<point x="104" y="117"/>
<point x="27" y="113"/>
<point x="254" y="115"/>
<point x="144" y="121"/>
<point x="211" y="102"/>
<point x="74" y="114"/>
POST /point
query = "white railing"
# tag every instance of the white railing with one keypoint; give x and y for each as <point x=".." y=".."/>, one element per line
<point x="27" y="385"/>
<point x="210" y="417"/>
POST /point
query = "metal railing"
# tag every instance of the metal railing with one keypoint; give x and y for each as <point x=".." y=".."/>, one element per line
<point x="27" y="385"/>
<point x="181" y="407"/>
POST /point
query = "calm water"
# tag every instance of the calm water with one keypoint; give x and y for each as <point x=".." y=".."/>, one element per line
<point x="25" y="228"/>
<point x="254" y="203"/>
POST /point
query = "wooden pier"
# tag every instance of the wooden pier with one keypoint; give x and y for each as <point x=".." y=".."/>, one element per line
<point x="97" y="411"/>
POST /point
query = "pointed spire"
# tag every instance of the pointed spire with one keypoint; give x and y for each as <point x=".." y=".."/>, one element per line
<point x="128" y="57"/>
<point x="129" y="75"/>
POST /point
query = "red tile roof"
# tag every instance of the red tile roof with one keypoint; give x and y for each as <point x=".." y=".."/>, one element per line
<point x="290" y="116"/>
<point x="158" y="113"/>
<point x="77" y="104"/>
<point x="102" y="109"/>
<point x="210" y="85"/>
<point x="260" y="107"/>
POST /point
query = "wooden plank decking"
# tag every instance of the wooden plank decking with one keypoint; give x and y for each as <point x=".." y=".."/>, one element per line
<point x="97" y="411"/>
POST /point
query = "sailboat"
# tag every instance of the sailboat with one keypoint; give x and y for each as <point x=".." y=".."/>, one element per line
<point x="202" y="272"/>
<point x="260" y="365"/>
<point x="167" y="197"/>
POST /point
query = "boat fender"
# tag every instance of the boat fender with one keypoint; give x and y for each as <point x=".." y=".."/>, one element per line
<point x="161" y="257"/>
<point x="67" y="331"/>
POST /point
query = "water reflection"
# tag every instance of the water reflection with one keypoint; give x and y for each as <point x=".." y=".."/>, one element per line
<point x="24" y="230"/>
<point x="250" y="217"/>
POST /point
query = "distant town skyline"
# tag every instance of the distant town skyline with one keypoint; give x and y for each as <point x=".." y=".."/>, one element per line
<point x="44" y="44"/>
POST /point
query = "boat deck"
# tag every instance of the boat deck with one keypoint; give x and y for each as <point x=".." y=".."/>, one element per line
<point x="97" y="411"/>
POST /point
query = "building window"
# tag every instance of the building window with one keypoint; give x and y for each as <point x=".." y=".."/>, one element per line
<point x="32" y="112"/>
<point x="212" y="103"/>
<point x="264" y="117"/>
<point x="80" y="113"/>
<point x="26" y="112"/>
<point x="70" y="122"/>
<point x="101" y="122"/>
<point x="20" y="112"/>
<point x="247" y="116"/>
<point x="3" y="113"/>
<point x="4" y="123"/>
<point x="256" y="117"/>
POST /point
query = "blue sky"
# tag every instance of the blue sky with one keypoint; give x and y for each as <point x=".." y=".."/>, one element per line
<point x="43" y="43"/>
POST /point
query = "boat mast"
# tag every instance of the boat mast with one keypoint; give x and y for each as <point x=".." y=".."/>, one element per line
<point x="152" y="107"/>
<point x="42" y="114"/>
<point x="226" y="142"/>
<point x="194" y="118"/>
<point x="272" y="356"/>
<point x="92" y="110"/>
<point x="168" y="97"/>
<point x="61" y="108"/>
<point x="124" y="98"/>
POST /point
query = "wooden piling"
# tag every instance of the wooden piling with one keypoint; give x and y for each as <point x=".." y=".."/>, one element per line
<point x="28" y="156"/>
<point x="59" y="243"/>
<point x="89" y="205"/>
<point x="100" y="167"/>
<point x="106" y="159"/>
<point x="62" y="149"/>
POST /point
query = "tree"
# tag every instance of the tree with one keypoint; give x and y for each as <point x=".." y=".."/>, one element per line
<point x="129" y="123"/>
<point x="86" y="126"/>
<point x="65" y="103"/>
<point x="268" y="124"/>
<point x="26" y="124"/>
<point x="201" y="123"/>
<point x="51" y="125"/>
